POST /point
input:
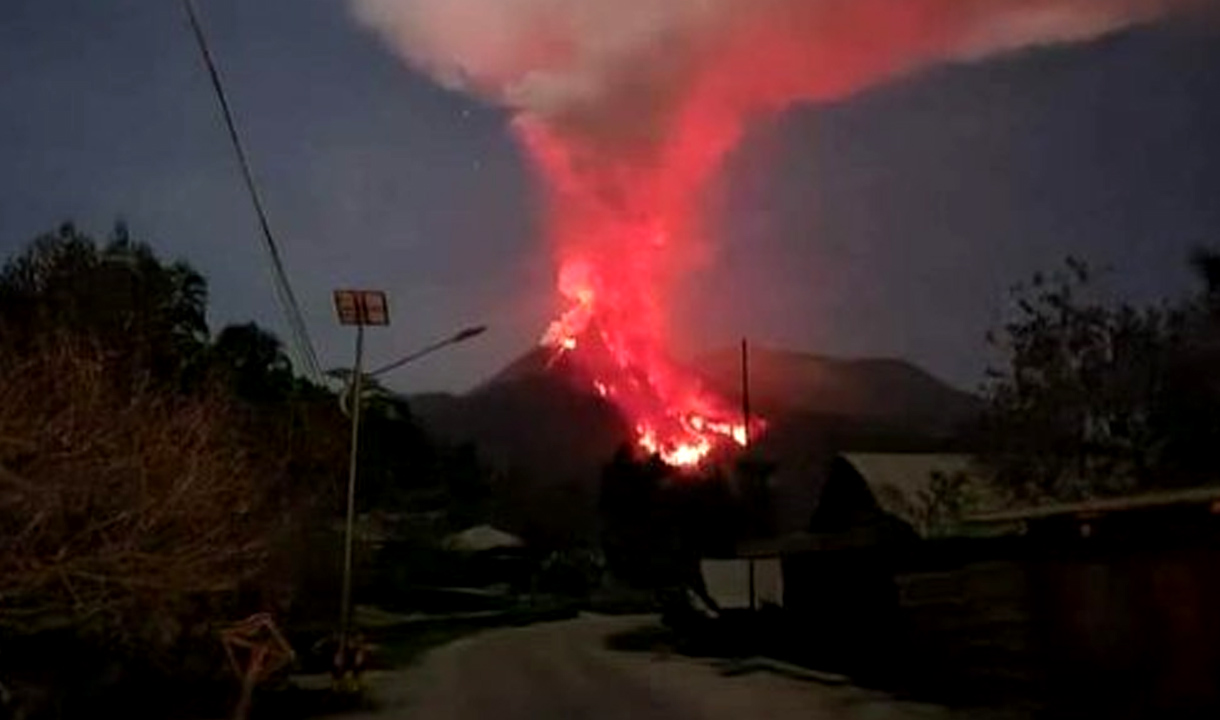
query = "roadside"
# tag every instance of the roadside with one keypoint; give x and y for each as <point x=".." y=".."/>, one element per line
<point x="397" y="641"/>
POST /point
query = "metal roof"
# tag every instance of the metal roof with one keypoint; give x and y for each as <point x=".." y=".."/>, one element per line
<point x="1092" y="508"/>
<point x="900" y="482"/>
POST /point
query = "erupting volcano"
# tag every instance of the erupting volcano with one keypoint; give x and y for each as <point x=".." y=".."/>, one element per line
<point x="622" y="227"/>
<point x="627" y="107"/>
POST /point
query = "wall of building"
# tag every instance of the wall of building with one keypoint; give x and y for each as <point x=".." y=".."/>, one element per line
<point x="1121" y="619"/>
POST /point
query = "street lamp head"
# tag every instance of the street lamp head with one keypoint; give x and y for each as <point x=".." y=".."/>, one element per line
<point x="451" y="340"/>
<point x="469" y="333"/>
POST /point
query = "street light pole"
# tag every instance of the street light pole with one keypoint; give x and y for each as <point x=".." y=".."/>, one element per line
<point x="345" y="606"/>
<point x="359" y="308"/>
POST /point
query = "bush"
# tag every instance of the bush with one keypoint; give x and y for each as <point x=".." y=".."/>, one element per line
<point x="130" y="515"/>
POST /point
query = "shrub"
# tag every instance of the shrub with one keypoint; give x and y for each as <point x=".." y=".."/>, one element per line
<point x="127" y="512"/>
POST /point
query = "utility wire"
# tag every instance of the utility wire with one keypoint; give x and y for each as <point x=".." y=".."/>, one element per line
<point x="303" y="346"/>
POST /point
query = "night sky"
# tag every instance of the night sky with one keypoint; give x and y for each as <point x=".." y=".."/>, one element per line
<point x="891" y="224"/>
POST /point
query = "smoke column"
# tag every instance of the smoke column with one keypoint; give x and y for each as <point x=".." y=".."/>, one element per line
<point x="627" y="108"/>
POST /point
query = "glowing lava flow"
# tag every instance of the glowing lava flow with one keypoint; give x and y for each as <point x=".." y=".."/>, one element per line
<point x="625" y="229"/>
<point x="617" y="344"/>
<point x="673" y="417"/>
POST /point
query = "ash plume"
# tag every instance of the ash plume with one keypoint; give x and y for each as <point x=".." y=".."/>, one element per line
<point x="626" y="108"/>
<point x="587" y="65"/>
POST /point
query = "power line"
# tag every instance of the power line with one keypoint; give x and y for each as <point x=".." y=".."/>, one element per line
<point x="302" y="345"/>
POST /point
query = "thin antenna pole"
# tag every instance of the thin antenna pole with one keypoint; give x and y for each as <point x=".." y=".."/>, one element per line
<point x="745" y="424"/>
<point x="292" y="311"/>
<point x="745" y="391"/>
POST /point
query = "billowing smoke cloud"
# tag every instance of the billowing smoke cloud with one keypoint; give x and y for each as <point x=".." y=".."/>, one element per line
<point x="587" y="64"/>
<point x="628" y="106"/>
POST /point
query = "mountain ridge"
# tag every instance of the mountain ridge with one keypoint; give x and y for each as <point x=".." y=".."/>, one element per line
<point x="539" y="421"/>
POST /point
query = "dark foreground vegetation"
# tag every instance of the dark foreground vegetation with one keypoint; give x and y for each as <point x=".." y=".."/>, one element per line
<point x="159" y="480"/>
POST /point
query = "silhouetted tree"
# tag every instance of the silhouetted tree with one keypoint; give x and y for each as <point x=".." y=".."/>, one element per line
<point x="252" y="361"/>
<point x="657" y="521"/>
<point x="1189" y="412"/>
<point x="1070" y="414"/>
<point x="119" y="294"/>
<point x="1096" y="398"/>
<point x="1207" y="264"/>
<point x="637" y="534"/>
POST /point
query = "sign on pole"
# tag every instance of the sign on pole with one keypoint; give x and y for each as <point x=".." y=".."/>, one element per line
<point x="362" y="307"/>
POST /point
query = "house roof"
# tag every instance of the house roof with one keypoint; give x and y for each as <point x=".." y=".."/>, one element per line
<point x="1097" y="507"/>
<point x="481" y="538"/>
<point x="902" y="482"/>
<point x="899" y="484"/>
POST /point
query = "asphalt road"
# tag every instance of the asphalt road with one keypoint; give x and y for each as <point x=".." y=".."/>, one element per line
<point x="564" y="670"/>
